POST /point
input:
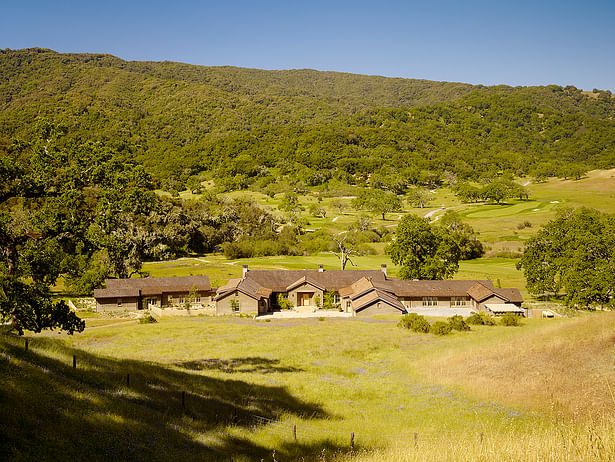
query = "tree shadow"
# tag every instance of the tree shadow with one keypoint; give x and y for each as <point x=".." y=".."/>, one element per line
<point x="135" y="410"/>
<point x="249" y="364"/>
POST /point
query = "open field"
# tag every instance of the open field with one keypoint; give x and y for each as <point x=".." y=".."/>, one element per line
<point x="248" y="382"/>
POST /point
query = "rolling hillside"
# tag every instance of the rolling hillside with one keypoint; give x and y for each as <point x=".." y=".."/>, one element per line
<point x="179" y="119"/>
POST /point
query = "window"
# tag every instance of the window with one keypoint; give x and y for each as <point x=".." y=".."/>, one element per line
<point x="336" y="298"/>
<point x="430" y="301"/>
<point x="197" y="299"/>
<point x="347" y="304"/>
<point x="234" y="304"/>
<point x="181" y="299"/>
<point x="459" y="301"/>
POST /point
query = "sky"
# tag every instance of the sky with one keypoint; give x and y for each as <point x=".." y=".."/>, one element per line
<point x="480" y="42"/>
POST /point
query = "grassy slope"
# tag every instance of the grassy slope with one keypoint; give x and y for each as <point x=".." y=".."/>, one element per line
<point x="329" y="378"/>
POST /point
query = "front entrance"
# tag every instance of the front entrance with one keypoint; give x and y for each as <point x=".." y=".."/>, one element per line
<point x="305" y="298"/>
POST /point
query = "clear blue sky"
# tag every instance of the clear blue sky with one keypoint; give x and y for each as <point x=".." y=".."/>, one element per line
<point x="489" y="42"/>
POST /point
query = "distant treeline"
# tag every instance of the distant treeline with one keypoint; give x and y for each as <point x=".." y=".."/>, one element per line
<point x="249" y="128"/>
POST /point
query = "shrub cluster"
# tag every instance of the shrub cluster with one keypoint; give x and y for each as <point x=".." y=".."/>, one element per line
<point x="510" y="320"/>
<point x="284" y="303"/>
<point x="147" y="319"/>
<point x="457" y="323"/>
<point x="414" y="322"/>
<point x="418" y="323"/>
<point x="480" y="319"/>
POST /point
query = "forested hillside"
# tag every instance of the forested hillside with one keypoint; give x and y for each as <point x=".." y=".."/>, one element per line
<point x="244" y="126"/>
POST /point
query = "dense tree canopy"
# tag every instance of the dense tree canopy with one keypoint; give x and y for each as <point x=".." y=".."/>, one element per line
<point x="424" y="251"/>
<point x="574" y="253"/>
<point x="249" y="128"/>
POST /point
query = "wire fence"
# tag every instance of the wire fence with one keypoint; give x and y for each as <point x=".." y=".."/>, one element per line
<point x="304" y="431"/>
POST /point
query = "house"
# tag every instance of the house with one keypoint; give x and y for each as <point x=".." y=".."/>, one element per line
<point x="257" y="291"/>
<point x="142" y="293"/>
<point x="360" y="292"/>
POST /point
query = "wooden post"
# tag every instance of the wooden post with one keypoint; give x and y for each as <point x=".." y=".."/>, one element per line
<point x="183" y="400"/>
<point x="74" y="362"/>
<point x="127" y="380"/>
<point x="26" y="345"/>
<point x="416" y="439"/>
<point x="481" y="438"/>
<point x="352" y="440"/>
<point x="295" y="432"/>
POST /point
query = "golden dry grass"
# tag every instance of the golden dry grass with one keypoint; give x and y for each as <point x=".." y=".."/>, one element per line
<point x="565" y="367"/>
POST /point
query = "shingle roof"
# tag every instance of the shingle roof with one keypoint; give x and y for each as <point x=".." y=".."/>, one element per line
<point x="363" y="285"/>
<point x="305" y="280"/>
<point x="513" y="295"/>
<point x="374" y="297"/>
<point x="426" y="288"/>
<point x="179" y="283"/>
<point x="245" y="285"/>
<point x="279" y="280"/>
<point x="480" y="291"/>
<point x="118" y="292"/>
<point x="134" y="287"/>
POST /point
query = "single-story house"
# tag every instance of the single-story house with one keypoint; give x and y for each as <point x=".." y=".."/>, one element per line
<point x="360" y="292"/>
<point x="142" y="293"/>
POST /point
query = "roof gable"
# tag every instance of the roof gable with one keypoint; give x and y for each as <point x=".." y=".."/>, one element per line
<point x="280" y="280"/>
<point x="305" y="280"/>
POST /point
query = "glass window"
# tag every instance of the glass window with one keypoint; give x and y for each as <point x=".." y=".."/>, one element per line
<point x="430" y="301"/>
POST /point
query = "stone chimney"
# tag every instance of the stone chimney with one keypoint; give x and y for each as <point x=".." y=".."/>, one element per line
<point x="383" y="268"/>
<point x="321" y="269"/>
<point x="244" y="271"/>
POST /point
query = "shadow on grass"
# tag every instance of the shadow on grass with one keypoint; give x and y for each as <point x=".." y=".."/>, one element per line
<point x="250" y="364"/>
<point x="51" y="411"/>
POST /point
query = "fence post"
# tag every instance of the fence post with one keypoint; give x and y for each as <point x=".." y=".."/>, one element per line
<point x="416" y="439"/>
<point x="127" y="380"/>
<point x="352" y="440"/>
<point x="481" y="438"/>
<point x="74" y="362"/>
<point x="26" y="345"/>
<point x="295" y="432"/>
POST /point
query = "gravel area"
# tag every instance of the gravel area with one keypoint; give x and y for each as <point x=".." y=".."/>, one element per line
<point x="316" y="314"/>
<point x="442" y="312"/>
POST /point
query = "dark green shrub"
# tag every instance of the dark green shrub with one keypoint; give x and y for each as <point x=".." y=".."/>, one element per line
<point x="440" y="328"/>
<point x="414" y="322"/>
<point x="510" y="320"/>
<point x="457" y="323"/>
<point x="147" y="319"/>
<point x="479" y="319"/>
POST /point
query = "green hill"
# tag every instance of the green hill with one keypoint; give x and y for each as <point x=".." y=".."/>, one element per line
<point x="179" y="119"/>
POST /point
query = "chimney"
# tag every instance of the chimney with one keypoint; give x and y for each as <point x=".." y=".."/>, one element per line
<point x="244" y="271"/>
<point x="383" y="268"/>
<point x="320" y="269"/>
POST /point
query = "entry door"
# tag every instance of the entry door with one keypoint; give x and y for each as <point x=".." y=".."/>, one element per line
<point x="305" y="298"/>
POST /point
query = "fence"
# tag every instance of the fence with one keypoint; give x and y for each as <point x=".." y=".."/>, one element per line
<point x="305" y="431"/>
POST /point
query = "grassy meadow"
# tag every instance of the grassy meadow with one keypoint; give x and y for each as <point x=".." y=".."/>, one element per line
<point x="541" y="391"/>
